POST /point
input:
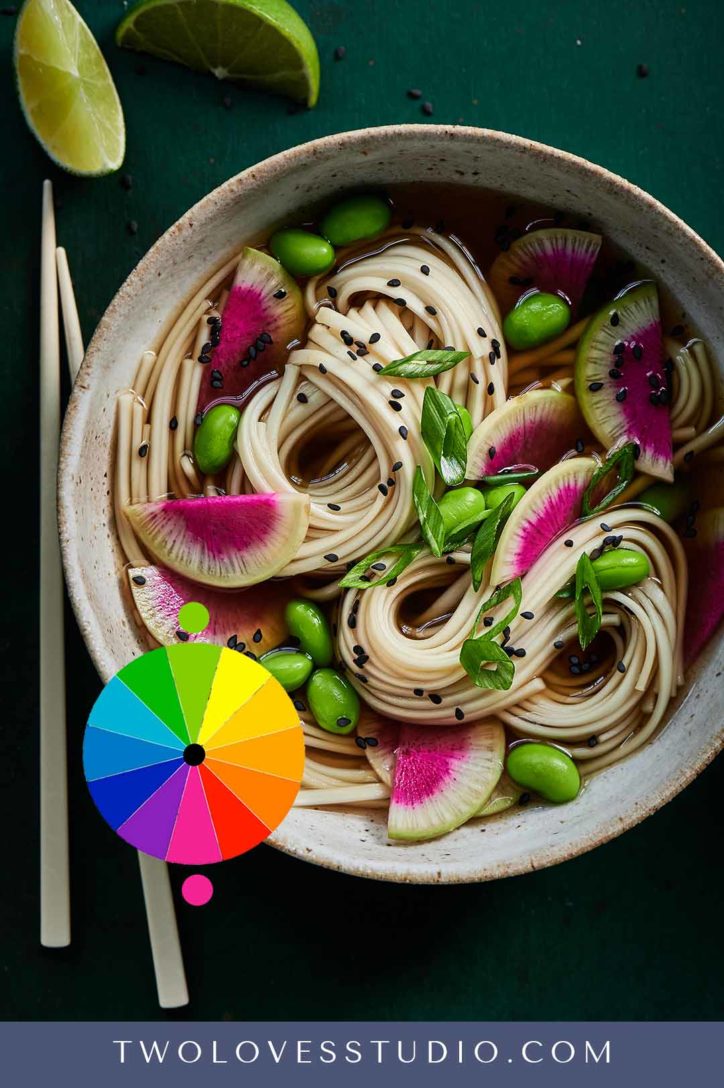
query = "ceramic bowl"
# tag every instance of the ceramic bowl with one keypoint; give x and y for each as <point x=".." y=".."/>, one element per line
<point x="250" y="205"/>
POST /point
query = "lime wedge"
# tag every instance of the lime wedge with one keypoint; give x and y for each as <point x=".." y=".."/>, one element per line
<point x="262" y="42"/>
<point x="66" y="91"/>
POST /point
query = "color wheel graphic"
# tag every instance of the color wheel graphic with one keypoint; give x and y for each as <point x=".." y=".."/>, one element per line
<point x="193" y="753"/>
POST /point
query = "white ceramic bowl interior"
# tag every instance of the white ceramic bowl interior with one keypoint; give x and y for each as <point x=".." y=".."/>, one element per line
<point x="249" y="206"/>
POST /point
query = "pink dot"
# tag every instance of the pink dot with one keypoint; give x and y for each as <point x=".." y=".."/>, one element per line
<point x="197" y="890"/>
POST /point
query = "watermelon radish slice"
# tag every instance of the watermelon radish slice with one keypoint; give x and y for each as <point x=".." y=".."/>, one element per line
<point x="705" y="604"/>
<point x="227" y="541"/>
<point x="251" y="618"/>
<point x="442" y="777"/>
<point x="263" y="314"/>
<point x="534" y="429"/>
<point x="547" y="508"/>
<point x="554" y="259"/>
<point x="381" y="756"/>
<point x="622" y="380"/>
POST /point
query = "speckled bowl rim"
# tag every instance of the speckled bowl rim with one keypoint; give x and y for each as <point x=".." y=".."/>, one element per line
<point x="264" y="174"/>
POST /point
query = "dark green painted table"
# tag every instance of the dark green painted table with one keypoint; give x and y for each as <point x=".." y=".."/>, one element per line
<point x="632" y="930"/>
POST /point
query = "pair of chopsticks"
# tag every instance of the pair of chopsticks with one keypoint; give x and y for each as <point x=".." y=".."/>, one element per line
<point x="54" y="863"/>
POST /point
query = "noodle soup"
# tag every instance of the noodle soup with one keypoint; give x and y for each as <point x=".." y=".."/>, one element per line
<point x="449" y="467"/>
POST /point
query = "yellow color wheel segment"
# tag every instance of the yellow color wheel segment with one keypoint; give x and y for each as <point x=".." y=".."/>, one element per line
<point x="269" y="710"/>
<point x="231" y="690"/>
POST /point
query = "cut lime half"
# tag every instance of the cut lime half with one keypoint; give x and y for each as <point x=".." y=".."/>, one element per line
<point x="66" y="91"/>
<point x="261" y="42"/>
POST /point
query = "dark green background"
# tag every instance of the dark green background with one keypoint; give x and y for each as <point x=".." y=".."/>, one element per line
<point x="633" y="930"/>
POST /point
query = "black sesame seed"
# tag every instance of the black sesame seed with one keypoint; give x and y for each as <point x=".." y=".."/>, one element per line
<point x="491" y="358"/>
<point x="642" y="71"/>
<point x="331" y="291"/>
<point x="558" y="644"/>
<point x="459" y="714"/>
<point x="414" y="92"/>
<point x="568" y="543"/>
<point x="395" y="405"/>
<point x="524" y="799"/>
<point x="488" y="621"/>
<point x="382" y="488"/>
<point x="491" y="452"/>
<point x="495" y="344"/>
<point x="475" y="379"/>
<point x="615" y="318"/>
<point x="183" y="636"/>
<point x="362" y="350"/>
<point x="251" y="352"/>
<point x="396" y="393"/>
<point x="204" y="358"/>
<point x="575" y="670"/>
<point x="397" y="466"/>
<point x="257" y="636"/>
<point x="596" y="553"/>
<point x="361" y="677"/>
<point x="491" y="389"/>
<point x="372" y="742"/>
<point x="377" y="367"/>
<point x="216" y="383"/>
<point x="360" y="742"/>
<point x="595" y="386"/>
<point x="374" y="338"/>
<point x="132" y="226"/>
<point x="197" y="419"/>
<point x="361" y="660"/>
<point x="606" y="527"/>
<point x="138" y="580"/>
<point x="614" y="373"/>
<point x="510" y="650"/>
<point x="621" y="667"/>
<point x="418" y="691"/>
<point x="619" y="347"/>
<point x="621" y="395"/>
<point x="520" y="652"/>
<point x="232" y="641"/>
<point x="592" y="742"/>
<point x="393" y="282"/>
<point x="391" y="482"/>
<point x="340" y="52"/>
<point x="427" y="109"/>
<point x="302" y="398"/>
<point x="391" y="583"/>
<point x="281" y="293"/>
<point x="173" y="423"/>
<point x="334" y="506"/>
<point x="126" y="182"/>
<point x="425" y="269"/>
<point x="481" y="331"/>
<point x="574" y="659"/>
<point x="352" y="622"/>
<point x="143" y="449"/>
<point x="322" y="368"/>
<point x="689" y="456"/>
<point x="431" y="310"/>
<point x="580" y="445"/>
<point x="638" y="351"/>
<point x="436" y="699"/>
<point x="240" y="647"/>
<point x="346" y="337"/>
<point x="352" y="356"/>
<point x="528" y="615"/>
<point x="331" y="557"/>
<point x="299" y="705"/>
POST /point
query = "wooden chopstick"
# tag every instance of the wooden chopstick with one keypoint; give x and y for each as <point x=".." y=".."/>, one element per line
<point x="158" y="899"/>
<point x="54" y="868"/>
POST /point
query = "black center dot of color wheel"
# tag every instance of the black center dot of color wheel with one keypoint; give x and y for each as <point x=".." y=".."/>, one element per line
<point x="194" y="754"/>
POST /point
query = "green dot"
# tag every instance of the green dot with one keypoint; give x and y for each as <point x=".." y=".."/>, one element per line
<point x="193" y="617"/>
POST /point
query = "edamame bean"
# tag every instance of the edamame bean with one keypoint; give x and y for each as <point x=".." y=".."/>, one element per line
<point x="333" y="701"/>
<point x="495" y="495"/>
<point x="615" y="569"/>
<point x="301" y="252"/>
<point x="307" y="622"/>
<point x="462" y="508"/>
<point x="544" y="769"/>
<point x="356" y="218"/>
<point x="535" y="319"/>
<point x="214" y="438"/>
<point x="467" y="420"/>
<point x="290" y="667"/>
<point x="620" y="567"/>
<point x="669" y="501"/>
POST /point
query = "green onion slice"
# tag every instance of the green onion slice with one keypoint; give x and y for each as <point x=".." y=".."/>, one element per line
<point x="358" y="578"/>
<point x="486" y="539"/>
<point x="443" y="432"/>
<point x="513" y="589"/>
<point x="586" y="580"/>
<point x="624" y="461"/>
<point x="478" y="652"/>
<point x="428" y="513"/>
<point x="424" y="364"/>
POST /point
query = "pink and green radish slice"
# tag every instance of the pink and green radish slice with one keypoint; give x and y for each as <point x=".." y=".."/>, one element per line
<point x="705" y="600"/>
<point x="534" y="429"/>
<point x="554" y="259"/>
<point x="381" y="756"/>
<point x="250" y="618"/>
<point x="621" y="378"/>
<point x="443" y="775"/>
<point x="227" y="541"/>
<point x="551" y="505"/>
<point x="263" y="314"/>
